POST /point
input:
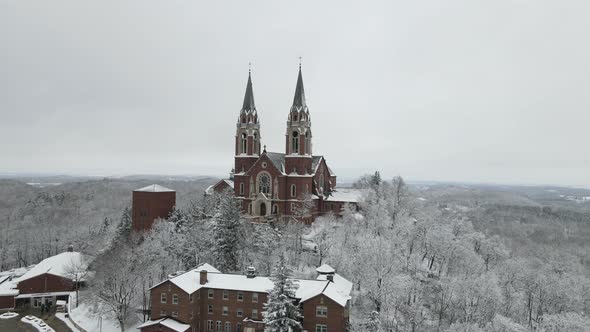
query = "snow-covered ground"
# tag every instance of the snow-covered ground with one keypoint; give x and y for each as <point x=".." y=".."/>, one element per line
<point x="62" y="316"/>
<point x="38" y="323"/>
<point x="90" y="318"/>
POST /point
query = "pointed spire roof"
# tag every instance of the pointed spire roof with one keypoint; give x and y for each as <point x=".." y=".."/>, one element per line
<point x="299" y="99"/>
<point x="249" y="96"/>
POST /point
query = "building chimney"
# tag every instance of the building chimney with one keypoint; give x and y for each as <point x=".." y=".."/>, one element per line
<point x="203" y="277"/>
<point x="330" y="277"/>
<point x="251" y="272"/>
<point x="70" y="248"/>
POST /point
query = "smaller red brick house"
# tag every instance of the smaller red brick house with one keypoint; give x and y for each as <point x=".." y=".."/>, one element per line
<point x="7" y="292"/>
<point x="220" y="186"/>
<point x="151" y="203"/>
<point x="207" y="300"/>
<point x="52" y="279"/>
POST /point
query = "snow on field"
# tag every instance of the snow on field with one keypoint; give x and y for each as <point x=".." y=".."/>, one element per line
<point x="38" y="323"/>
<point x="62" y="316"/>
<point x="8" y="315"/>
<point x="89" y="318"/>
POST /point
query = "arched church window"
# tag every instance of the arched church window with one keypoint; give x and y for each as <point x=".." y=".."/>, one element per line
<point x="307" y="143"/>
<point x="295" y="143"/>
<point x="264" y="183"/>
<point x="275" y="209"/>
<point x="293" y="190"/>
<point x="244" y="142"/>
<point x="255" y="143"/>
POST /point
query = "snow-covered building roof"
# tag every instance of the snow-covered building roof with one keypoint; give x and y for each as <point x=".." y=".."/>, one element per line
<point x="8" y="286"/>
<point x="211" y="189"/>
<point x="347" y="195"/>
<point x="59" y="265"/>
<point x="339" y="281"/>
<point x="190" y="283"/>
<point x="155" y="188"/>
<point x="170" y="323"/>
<point x="325" y="269"/>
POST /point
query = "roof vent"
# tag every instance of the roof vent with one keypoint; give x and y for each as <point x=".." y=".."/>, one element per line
<point x="70" y="248"/>
<point x="251" y="272"/>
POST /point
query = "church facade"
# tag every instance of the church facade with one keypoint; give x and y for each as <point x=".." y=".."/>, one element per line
<point x="294" y="183"/>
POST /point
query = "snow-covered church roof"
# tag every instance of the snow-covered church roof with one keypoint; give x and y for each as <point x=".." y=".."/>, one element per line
<point x="156" y="188"/>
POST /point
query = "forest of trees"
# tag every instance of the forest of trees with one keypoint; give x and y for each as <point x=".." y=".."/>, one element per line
<point x="420" y="261"/>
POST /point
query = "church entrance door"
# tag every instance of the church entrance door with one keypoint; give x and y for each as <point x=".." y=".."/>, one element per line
<point x="262" y="209"/>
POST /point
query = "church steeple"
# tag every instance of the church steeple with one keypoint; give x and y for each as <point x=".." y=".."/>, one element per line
<point x="299" y="125"/>
<point x="248" y="128"/>
<point x="299" y="98"/>
<point x="248" y="105"/>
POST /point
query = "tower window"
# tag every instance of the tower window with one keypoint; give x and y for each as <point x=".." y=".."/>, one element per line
<point x="241" y="188"/>
<point x="307" y="143"/>
<point x="295" y="143"/>
<point x="244" y="143"/>
<point x="293" y="190"/>
<point x="254" y="143"/>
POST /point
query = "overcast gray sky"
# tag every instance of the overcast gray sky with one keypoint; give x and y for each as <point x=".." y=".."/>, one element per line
<point x="460" y="90"/>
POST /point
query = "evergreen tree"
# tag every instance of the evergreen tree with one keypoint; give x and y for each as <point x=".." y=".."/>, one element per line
<point x="124" y="227"/>
<point x="373" y="323"/>
<point x="280" y="312"/>
<point x="376" y="180"/>
<point x="227" y="227"/>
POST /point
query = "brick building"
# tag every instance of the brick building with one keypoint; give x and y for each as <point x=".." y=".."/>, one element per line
<point x="282" y="184"/>
<point x="204" y="300"/>
<point x="52" y="279"/>
<point x="151" y="203"/>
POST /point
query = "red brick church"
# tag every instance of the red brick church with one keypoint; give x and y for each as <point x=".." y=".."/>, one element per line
<point x="282" y="184"/>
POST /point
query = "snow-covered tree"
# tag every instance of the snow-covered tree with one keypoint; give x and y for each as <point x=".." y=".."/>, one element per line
<point x="373" y="323"/>
<point x="281" y="314"/>
<point x="227" y="224"/>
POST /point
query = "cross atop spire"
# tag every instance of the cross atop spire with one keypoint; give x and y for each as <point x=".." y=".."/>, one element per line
<point x="299" y="99"/>
<point x="249" y="96"/>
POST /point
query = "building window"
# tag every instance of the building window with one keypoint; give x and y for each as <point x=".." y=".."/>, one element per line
<point x="254" y="297"/>
<point x="307" y="143"/>
<point x="239" y="327"/>
<point x="227" y="327"/>
<point x="293" y="190"/>
<point x="239" y="312"/>
<point x="264" y="183"/>
<point x="240" y="296"/>
<point x="244" y="143"/>
<point x="295" y="143"/>
<point x="241" y="188"/>
<point x="210" y="309"/>
<point x="174" y="298"/>
<point x="254" y="313"/>
<point x="218" y="325"/>
<point x="162" y="313"/>
<point x="255" y="144"/>
<point x="225" y="295"/>
<point x="163" y="298"/>
<point x="275" y="209"/>
<point x="210" y="325"/>
<point x="225" y="310"/>
<point x="292" y="207"/>
<point x="321" y="311"/>
<point x="36" y="302"/>
<point x="210" y="293"/>
<point x="321" y="328"/>
<point x="174" y="313"/>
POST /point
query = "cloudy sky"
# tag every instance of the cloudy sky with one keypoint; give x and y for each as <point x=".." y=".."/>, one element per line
<point x="455" y="90"/>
